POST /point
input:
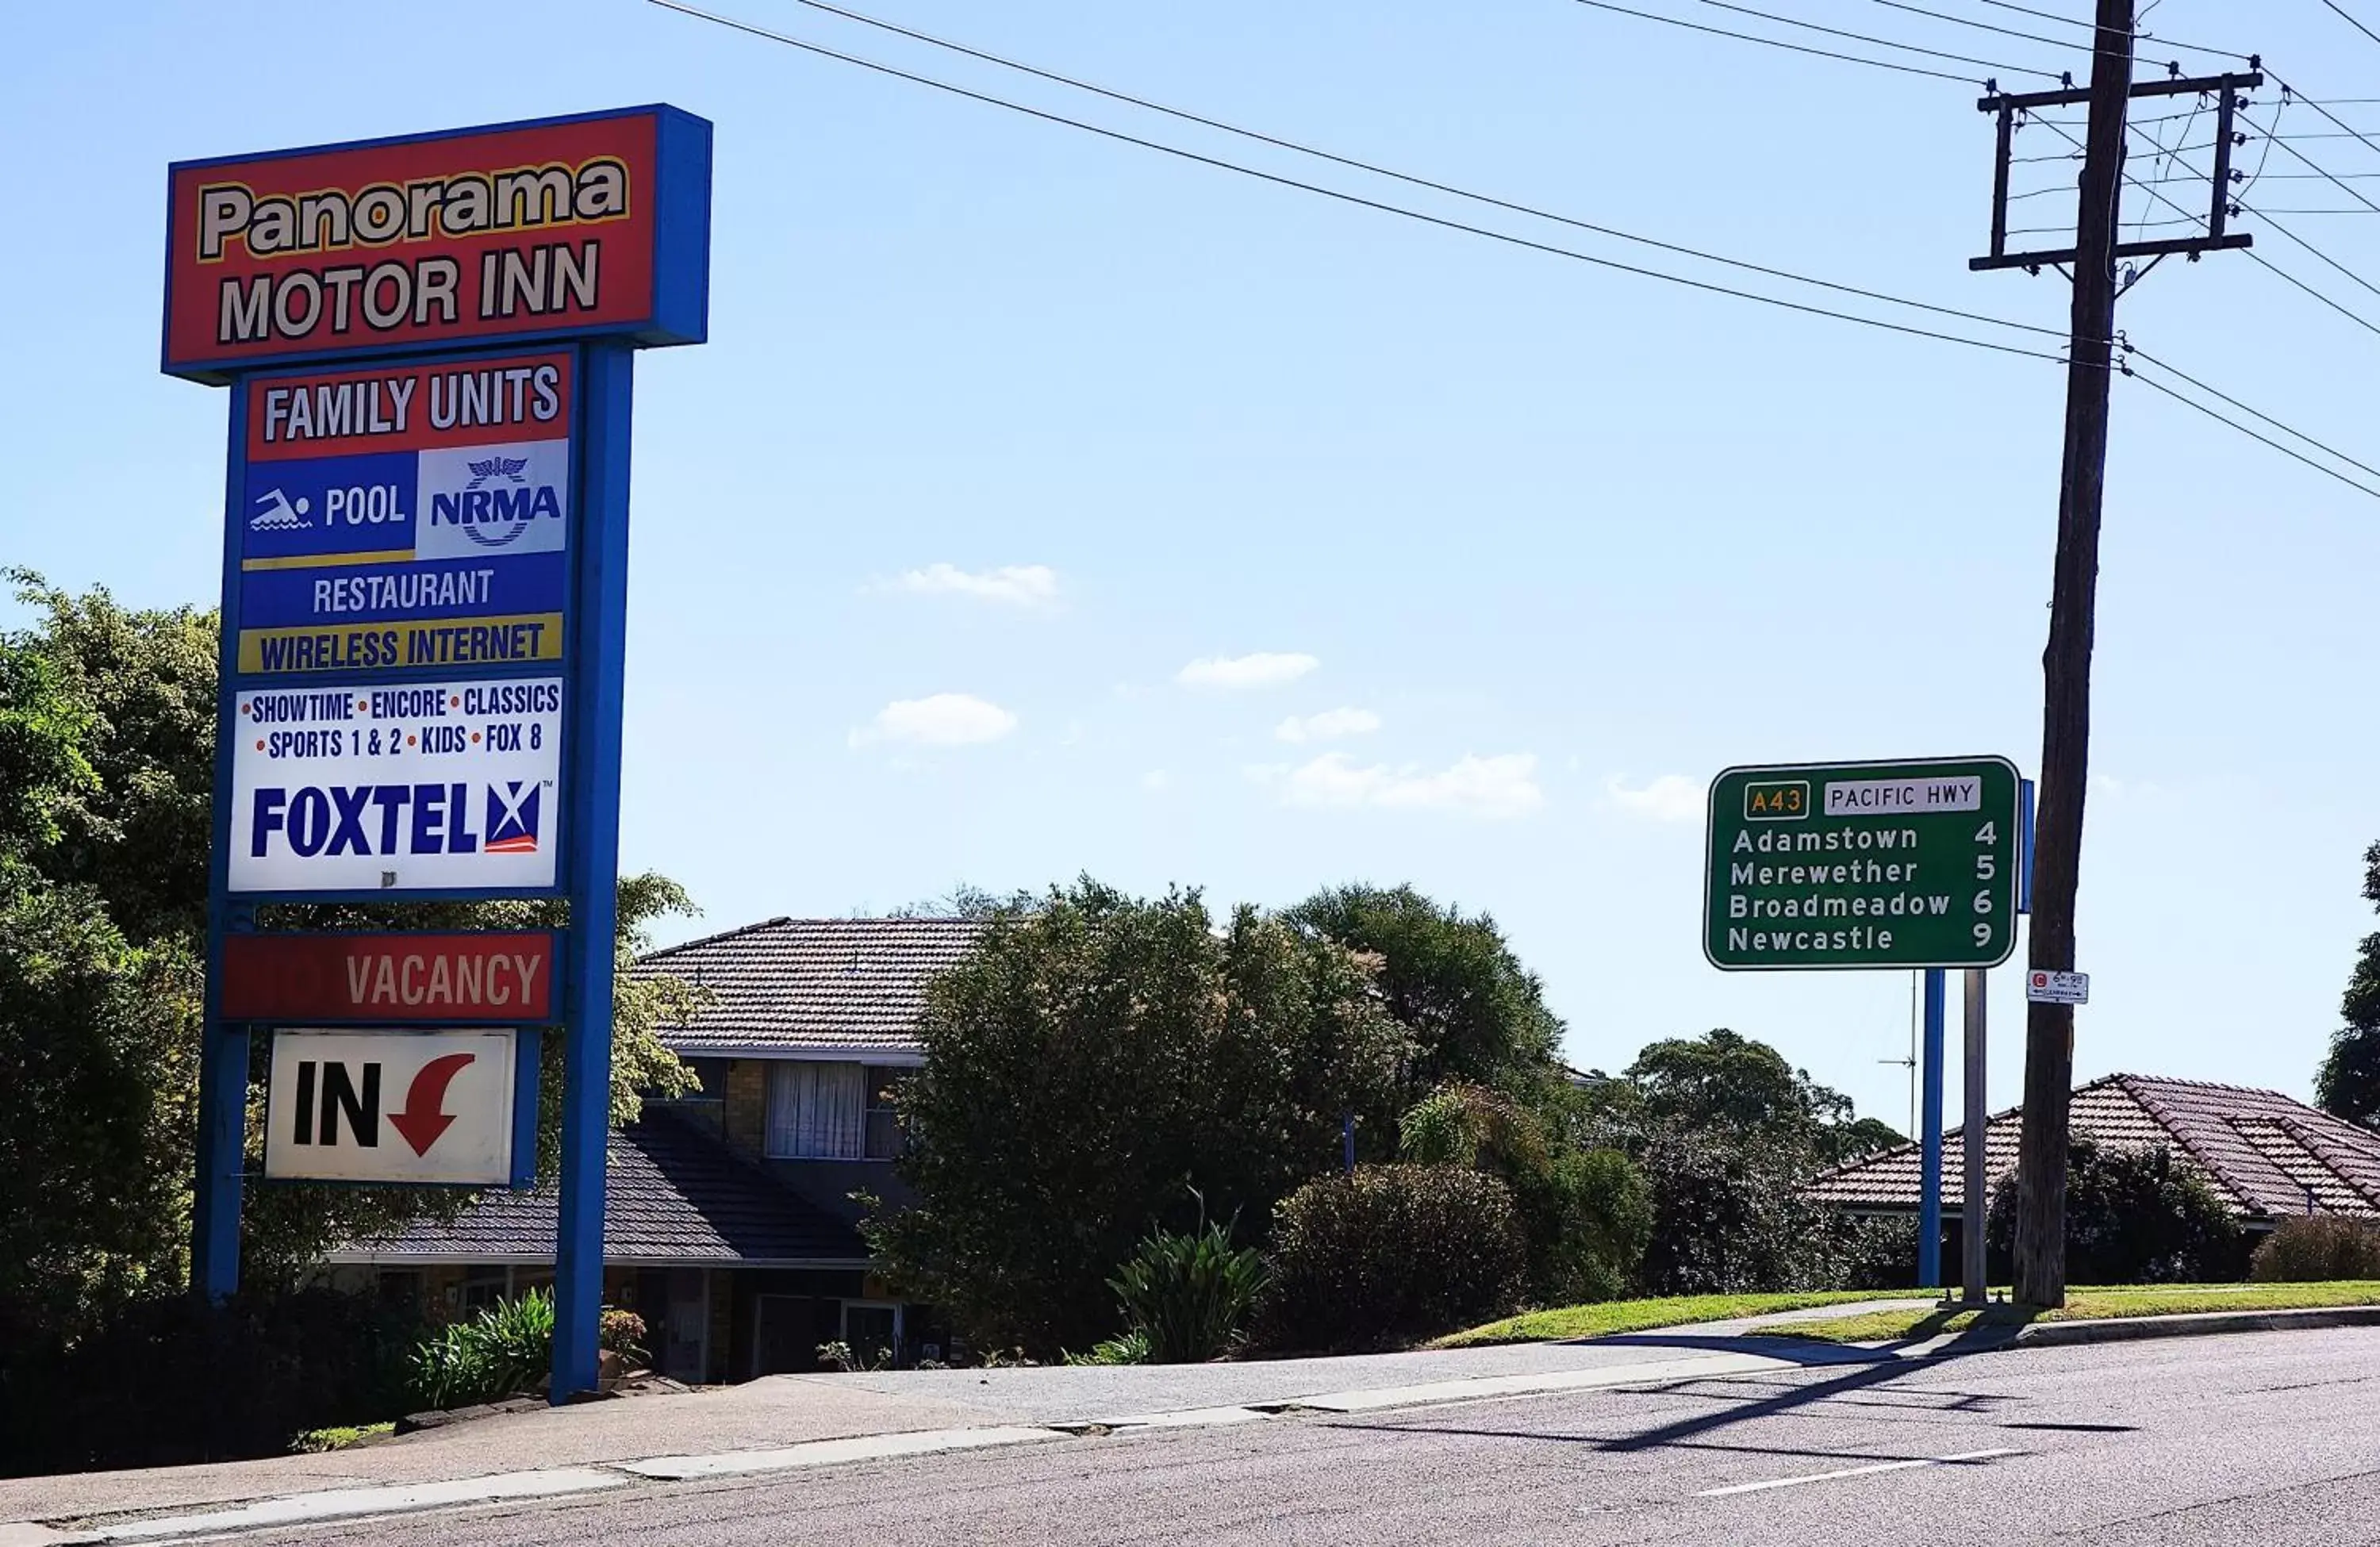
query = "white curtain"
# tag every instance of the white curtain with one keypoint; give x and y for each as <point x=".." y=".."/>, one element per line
<point x="816" y="1111"/>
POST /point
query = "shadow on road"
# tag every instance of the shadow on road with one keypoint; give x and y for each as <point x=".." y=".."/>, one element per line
<point x="1873" y="1369"/>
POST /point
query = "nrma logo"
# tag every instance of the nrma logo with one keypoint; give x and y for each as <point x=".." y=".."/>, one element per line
<point x="391" y="820"/>
<point x="514" y="497"/>
<point x="495" y="517"/>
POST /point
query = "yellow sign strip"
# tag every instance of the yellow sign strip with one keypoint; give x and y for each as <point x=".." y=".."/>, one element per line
<point x="462" y="641"/>
<point x="329" y="561"/>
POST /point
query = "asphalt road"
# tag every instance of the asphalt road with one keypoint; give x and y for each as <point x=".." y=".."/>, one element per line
<point x="2271" y="1439"/>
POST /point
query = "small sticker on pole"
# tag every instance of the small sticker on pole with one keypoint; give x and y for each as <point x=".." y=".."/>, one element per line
<point x="2058" y="987"/>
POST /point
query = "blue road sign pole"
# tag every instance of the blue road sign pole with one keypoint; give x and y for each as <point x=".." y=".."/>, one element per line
<point x="2024" y="845"/>
<point x="223" y="1103"/>
<point x="1929" y="1197"/>
<point x="591" y="733"/>
<point x="223" y="1049"/>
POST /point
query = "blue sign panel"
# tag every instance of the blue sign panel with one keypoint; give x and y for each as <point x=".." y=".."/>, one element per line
<point x="413" y="514"/>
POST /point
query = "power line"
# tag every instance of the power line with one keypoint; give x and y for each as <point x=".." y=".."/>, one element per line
<point x="2258" y="258"/>
<point x="2291" y="92"/>
<point x="1375" y="169"/>
<point x="2341" y="12"/>
<point x="1979" y="25"/>
<point x="1776" y="43"/>
<point x="1500" y="237"/>
<point x="2171" y="369"/>
<point x="1879" y="42"/>
<point x="2091" y="26"/>
<point x="2254" y="435"/>
<point x="1359" y="200"/>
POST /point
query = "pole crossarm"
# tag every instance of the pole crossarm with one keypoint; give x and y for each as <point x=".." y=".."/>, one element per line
<point x="2226" y="89"/>
<point x="2043" y="258"/>
<point x="2185" y="86"/>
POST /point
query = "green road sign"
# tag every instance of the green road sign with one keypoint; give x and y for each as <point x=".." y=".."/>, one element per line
<point x="1817" y="867"/>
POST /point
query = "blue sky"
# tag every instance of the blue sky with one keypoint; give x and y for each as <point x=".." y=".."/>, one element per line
<point x="1003" y="430"/>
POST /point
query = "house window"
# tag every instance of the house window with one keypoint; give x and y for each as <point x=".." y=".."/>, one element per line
<point x="817" y="1111"/>
<point x="883" y="1132"/>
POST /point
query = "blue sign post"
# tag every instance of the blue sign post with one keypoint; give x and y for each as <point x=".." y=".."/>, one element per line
<point x="429" y="341"/>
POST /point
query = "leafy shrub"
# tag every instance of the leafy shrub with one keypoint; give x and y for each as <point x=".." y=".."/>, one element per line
<point x="504" y="1351"/>
<point x="2132" y="1216"/>
<point x="1187" y="1296"/>
<point x="1586" y="1214"/>
<point x="1729" y="1217"/>
<point x="835" y="1354"/>
<point x="2316" y="1249"/>
<point x="173" y="1380"/>
<point x="1391" y="1254"/>
<point x="1130" y="1348"/>
<point x="1877" y="1253"/>
<point x="1092" y="1054"/>
<point x="621" y="1332"/>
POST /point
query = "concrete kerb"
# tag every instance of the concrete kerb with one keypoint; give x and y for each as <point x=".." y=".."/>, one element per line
<point x="2207" y="1323"/>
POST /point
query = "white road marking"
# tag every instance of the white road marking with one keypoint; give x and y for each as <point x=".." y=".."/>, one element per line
<point x="337" y="1503"/>
<point x="1857" y="1472"/>
<point x="820" y="1453"/>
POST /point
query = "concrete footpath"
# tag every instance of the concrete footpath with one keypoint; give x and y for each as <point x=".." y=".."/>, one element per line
<point x="788" y="1422"/>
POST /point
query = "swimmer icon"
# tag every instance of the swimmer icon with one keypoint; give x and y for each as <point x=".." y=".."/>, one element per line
<point x="279" y="513"/>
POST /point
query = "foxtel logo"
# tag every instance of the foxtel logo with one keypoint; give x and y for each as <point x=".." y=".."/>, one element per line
<point x="395" y="818"/>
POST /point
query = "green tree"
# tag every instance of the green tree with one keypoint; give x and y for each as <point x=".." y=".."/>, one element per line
<point x="94" y="1044"/>
<point x="1477" y="1015"/>
<point x="2348" y="1085"/>
<point x="1093" y="1059"/>
<point x="1586" y="1213"/>
<point x="1728" y="1132"/>
<point x="1731" y="1081"/>
<point x="144" y="682"/>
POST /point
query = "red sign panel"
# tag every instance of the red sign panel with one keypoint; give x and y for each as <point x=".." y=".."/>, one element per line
<point x="553" y="227"/>
<point x="421" y="406"/>
<point x="390" y="979"/>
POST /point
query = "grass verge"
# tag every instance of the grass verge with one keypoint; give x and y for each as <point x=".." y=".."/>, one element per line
<point x="1627" y="1316"/>
<point x="314" y="1441"/>
<point x="2086" y="1305"/>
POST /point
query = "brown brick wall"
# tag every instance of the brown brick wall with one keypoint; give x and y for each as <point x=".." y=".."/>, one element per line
<point x="747" y="1113"/>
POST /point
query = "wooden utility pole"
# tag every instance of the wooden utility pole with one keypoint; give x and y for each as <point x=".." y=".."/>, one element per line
<point x="2065" y="664"/>
<point x="2066" y="668"/>
<point x="2057" y="841"/>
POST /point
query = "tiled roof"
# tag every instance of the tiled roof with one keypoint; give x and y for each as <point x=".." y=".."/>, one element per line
<point x="2260" y="1149"/>
<point x="673" y="1194"/>
<point x="826" y="985"/>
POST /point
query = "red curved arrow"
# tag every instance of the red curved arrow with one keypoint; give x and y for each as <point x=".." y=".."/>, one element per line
<point x="424" y="1118"/>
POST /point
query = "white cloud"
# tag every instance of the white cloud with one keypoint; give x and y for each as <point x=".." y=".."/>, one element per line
<point x="1018" y="585"/>
<point x="1497" y="786"/>
<point x="942" y="720"/>
<point x="1264" y="669"/>
<point x="1671" y="798"/>
<point x="1327" y="725"/>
